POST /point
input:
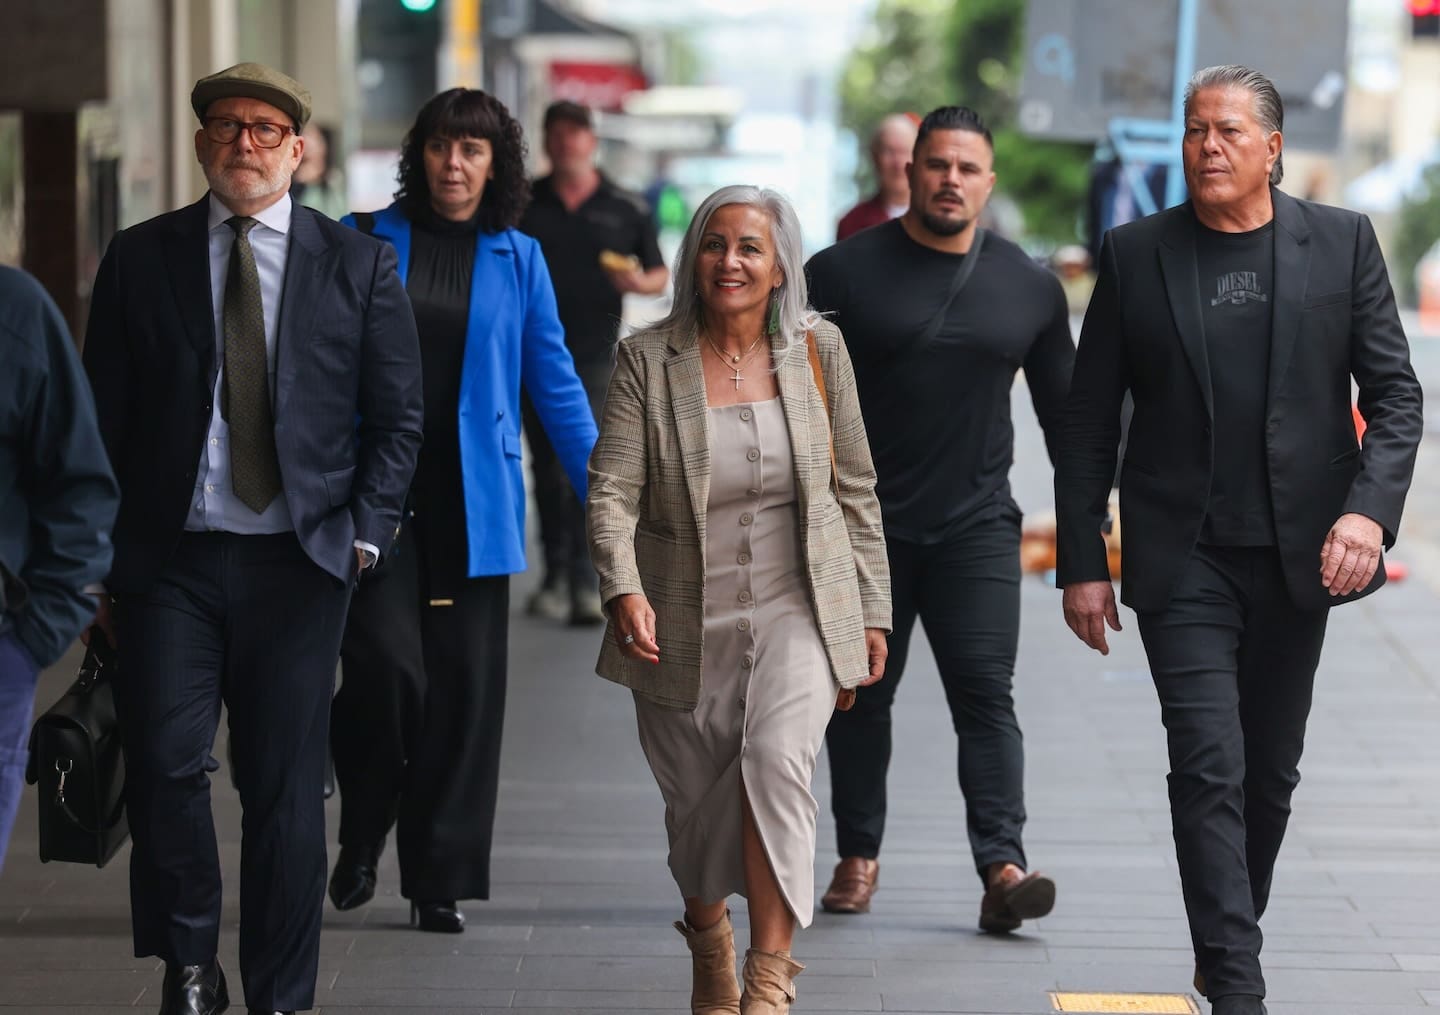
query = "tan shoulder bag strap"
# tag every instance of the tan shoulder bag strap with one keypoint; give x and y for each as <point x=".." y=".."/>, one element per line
<point x="845" y="699"/>
<point x="819" y="373"/>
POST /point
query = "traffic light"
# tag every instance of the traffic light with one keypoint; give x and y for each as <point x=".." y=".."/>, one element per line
<point x="419" y="6"/>
<point x="1424" y="18"/>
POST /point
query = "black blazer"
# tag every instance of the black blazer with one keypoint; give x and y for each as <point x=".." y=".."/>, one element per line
<point x="348" y="413"/>
<point x="1334" y="319"/>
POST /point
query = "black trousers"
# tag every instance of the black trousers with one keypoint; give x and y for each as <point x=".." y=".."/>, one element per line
<point x="562" y="516"/>
<point x="966" y="591"/>
<point x="417" y="723"/>
<point x="1234" y="664"/>
<point x="253" y="622"/>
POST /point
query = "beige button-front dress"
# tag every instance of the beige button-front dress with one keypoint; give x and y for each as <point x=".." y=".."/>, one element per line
<point x="767" y="693"/>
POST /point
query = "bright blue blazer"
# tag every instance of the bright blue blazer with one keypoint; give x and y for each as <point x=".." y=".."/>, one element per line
<point x="514" y="337"/>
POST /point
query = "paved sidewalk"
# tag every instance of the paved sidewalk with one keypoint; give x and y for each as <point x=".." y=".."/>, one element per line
<point x="580" y="921"/>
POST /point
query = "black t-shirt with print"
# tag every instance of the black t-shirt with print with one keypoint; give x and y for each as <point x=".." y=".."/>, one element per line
<point x="1237" y="274"/>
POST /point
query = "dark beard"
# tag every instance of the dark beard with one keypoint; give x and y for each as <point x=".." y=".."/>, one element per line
<point x="942" y="226"/>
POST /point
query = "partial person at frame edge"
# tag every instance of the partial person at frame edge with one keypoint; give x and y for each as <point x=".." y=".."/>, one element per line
<point x="58" y="500"/>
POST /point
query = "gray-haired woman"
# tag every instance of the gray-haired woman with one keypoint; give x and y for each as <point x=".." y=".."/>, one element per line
<point x="734" y="524"/>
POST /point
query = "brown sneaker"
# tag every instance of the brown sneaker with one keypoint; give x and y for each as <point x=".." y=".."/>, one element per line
<point x="1014" y="896"/>
<point x="852" y="886"/>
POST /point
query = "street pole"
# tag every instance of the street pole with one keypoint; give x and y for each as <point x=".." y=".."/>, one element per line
<point x="460" y="52"/>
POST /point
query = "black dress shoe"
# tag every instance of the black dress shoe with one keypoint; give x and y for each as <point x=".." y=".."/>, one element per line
<point x="1237" y="1004"/>
<point x="437" y="917"/>
<point x="194" y="990"/>
<point x="353" y="881"/>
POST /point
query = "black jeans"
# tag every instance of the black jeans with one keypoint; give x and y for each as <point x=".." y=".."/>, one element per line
<point x="416" y="725"/>
<point x="253" y="622"/>
<point x="1234" y="664"/>
<point x="966" y="591"/>
<point x="562" y="516"/>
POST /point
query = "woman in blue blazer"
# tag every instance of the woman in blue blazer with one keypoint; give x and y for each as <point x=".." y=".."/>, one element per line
<point x="416" y="723"/>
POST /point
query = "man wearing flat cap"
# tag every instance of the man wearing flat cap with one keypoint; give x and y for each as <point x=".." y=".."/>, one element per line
<point x="257" y="377"/>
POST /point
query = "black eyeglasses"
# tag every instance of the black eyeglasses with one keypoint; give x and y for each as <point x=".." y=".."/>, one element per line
<point x="263" y="134"/>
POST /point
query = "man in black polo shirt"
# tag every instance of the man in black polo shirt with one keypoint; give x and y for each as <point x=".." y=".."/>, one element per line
<point x="600" y="243"/>
<point x="934" y="367"/>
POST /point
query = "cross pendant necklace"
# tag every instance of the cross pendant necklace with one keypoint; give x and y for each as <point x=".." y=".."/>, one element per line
<point x="736" y="359"/>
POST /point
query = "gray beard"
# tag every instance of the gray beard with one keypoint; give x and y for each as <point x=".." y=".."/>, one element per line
<point x="944" y="227"/>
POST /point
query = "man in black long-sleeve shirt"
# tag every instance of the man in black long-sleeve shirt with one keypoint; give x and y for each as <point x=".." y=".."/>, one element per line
<point x="936" y="402"/>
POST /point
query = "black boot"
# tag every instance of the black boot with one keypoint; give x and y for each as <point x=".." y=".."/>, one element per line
<point x="437" y="917"/>
<point x="194" y="990"/>
<point x="1238" y="1004"/>
<point x="353" y="881"/>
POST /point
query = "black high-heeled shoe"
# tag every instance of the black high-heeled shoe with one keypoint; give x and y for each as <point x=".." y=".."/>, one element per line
<point x="437" y="917"/>
<point x="353" y="881"/>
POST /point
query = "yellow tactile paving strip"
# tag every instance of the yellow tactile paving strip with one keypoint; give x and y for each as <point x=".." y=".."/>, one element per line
<point x="1123" y="1004"/>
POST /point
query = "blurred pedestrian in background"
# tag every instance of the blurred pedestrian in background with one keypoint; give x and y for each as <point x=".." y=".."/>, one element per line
<point x="726" y="487"/>
<point x="600" y="244"/>
<point x="1237" y="322"/>
<point x="1072" y="265"/>
<point x="890" y="149"/>
<point x="318" y="183"/>
<point x="418" y="718"/>
<point x="57" y="505"/>
<point x="257" y="381"/>
<point x="939" y="316"/>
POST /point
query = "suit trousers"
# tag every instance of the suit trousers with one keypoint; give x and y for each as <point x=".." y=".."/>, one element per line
<point x="562" y="516"/>
<point x="966" y="591"/>
<point x="418" y="719"/>
<point x="252" y="622"/>
<point x="1234" y="664"/>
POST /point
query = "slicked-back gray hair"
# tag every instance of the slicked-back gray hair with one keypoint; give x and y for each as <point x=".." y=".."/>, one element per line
<point x="1269" y="110"/>
<point x="796" y="318"/>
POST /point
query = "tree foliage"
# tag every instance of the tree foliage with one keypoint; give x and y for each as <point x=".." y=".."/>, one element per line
<point x="926" y="53"/>
<point x="1419" y="231"/>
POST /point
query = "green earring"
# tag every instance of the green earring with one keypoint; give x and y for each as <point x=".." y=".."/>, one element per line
<point x="774" y="324"/>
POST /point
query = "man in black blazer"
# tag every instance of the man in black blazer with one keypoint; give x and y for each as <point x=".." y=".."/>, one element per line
<point x="1236" y="322"/>
<point x="257" y="376"/>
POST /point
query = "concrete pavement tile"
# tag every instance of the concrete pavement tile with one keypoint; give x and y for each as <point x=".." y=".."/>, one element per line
<point x="415" y="1000"/>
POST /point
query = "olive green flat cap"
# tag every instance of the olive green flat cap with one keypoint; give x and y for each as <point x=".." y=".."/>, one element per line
<point x="253" y="81"/>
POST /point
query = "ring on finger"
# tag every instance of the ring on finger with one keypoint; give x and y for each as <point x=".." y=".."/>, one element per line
<point x="629" y="639"/>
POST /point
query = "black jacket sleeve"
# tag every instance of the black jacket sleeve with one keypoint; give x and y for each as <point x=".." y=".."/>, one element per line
<point x="1390" y="398"/>
<point x="1090" y="432"/>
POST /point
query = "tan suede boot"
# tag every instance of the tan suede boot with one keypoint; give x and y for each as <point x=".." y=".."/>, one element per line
<point x="712" y="960"/>
<point x="769" y="983"/>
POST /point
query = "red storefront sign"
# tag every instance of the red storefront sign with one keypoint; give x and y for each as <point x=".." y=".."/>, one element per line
<point x="597" y="85"/>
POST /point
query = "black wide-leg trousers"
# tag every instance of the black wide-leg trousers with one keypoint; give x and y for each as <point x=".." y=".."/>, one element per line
<point x="417" y="723"/>
<point x="1234" y="665"/>
<point x="966" y="591"/>
<point x="252" y="622"/>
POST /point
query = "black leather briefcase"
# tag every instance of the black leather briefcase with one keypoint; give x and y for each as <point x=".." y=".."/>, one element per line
<point x="76" y="760"/>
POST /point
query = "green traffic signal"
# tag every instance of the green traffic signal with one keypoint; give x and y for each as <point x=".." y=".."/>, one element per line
<point x="418" y="5"/>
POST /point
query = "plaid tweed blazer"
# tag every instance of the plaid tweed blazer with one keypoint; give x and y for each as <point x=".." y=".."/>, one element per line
<point x="650" y="484"/>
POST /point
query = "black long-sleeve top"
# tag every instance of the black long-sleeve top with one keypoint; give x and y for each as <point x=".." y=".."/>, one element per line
<point x="938" y="417"/>
<point x="442" y="262"/>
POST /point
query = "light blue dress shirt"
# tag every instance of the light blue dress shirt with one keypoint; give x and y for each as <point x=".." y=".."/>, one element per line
<point x="213" y="505"/>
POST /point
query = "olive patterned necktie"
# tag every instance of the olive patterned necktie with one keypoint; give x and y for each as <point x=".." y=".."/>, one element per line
<point x="245" y="397"/>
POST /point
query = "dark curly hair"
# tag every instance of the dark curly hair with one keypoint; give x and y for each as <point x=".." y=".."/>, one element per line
<point x="462" y="113"/>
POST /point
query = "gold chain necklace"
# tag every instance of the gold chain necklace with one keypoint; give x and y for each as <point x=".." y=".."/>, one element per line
<point x="735" y="360"/>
